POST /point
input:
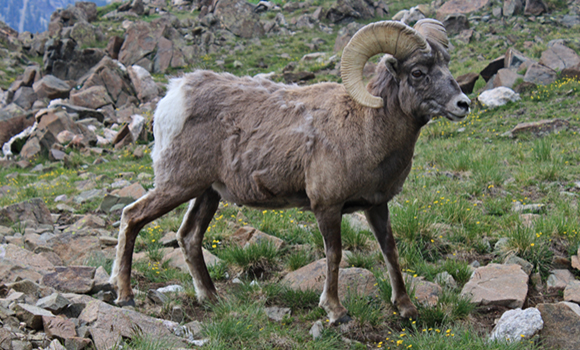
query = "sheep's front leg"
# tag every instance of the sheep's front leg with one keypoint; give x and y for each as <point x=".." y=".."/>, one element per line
<point x="190" y="237"/>
<point x="379" y="220"/>
<point x="329" y="224"/>
<point x="148" y="208"/>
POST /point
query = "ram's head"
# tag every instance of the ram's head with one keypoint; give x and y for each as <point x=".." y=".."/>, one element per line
<point x="417" y="59"/>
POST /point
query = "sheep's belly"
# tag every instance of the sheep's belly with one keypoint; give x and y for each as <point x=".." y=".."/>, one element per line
<point x="264" y="201"/>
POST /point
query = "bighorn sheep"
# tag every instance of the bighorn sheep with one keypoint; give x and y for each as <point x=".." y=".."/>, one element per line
<point x="328" y="148"/>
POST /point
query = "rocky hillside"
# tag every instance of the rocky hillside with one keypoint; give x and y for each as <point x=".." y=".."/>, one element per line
<point x="487" y="224"/>
<point x="33" y="15"/>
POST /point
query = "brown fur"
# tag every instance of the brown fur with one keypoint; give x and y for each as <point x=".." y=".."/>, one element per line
<point x="254" y="142"/>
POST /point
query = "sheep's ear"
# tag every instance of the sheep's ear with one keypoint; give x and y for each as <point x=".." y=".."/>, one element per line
<point x="392" y="65"/>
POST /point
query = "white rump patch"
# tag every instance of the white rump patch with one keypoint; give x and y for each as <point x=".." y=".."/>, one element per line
<point x="169" y="118"/>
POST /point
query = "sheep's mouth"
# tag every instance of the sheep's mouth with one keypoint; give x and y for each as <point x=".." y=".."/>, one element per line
<point x="455" y="117"/>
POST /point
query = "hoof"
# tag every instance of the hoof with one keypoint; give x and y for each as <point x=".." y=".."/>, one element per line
<point x="342" y="320"/>
<point x="409" y="312"/>
<point x="406" y="308"/>
<point x="122" y="303"/>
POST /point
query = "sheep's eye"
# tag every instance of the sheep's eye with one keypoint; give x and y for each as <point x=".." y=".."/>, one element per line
<point x="417" y="73"/>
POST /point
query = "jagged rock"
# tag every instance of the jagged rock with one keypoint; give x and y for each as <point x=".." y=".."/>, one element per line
<point x="25" y="97"/>
<point x="107" y="324"/>
<point x="114" y="46"/>
<point x="239" y="18"/>
<point x="31" y="149"/>
<point x="467" y="82"/>
<point x="494" y="284"/>
<point x="77" y="343"/>
<point x="32" y="212"/>
<point x="65" y="61"/>
<point x="89" y="9"/>
<point x="559" y="57"/>
<point x="426" y="292"/>
<point x="348" y="10"/>
<point x="144" y="84"/>
<point x="55" y="345"/>
<point x="53" y="122"/>
<point x="512" y="7"/>
<point x="572" y="292"/>
<point x="516" y="325"/>
<point x="31" y="75"/>
<point x="163" y="56"/>
<point x="558" y="280"/>
<point x="137" y="127"/>
<point x="71" y="279"/>
<point x="6" y="338"/>
<point x="498" y="97"/>
<point x="514" y="59"/>
<point x="29" y="288"/>
<point x="140" y="40"/>
<point x="54" y="303"/>
<point x="93" y="97"/>
<point x="492" y="68"/>
<point x="110" y="201"/>
<point x="561" y="325"/>
<point x="461" y="7"/>
<point x="312" y="276"/>
<point x="31" y="315"/>
<point x="134" y="191"/>
<point x="81" y="112"/>
<point x="84" y="34"/>
<point x="89" y="195"/>
<point x="535" y="7"/>
<point x="540" y="75"/>
<point x="514" y="259"/>
<point x="177" y="260"/>
<point x="58" y="327"/>
<point x="20" y="263"/>
<point x="113" y="77"/>
<point x="505" y="77"/>
<point x="541" y="128"/>
<point x="157" y="297"/>
<point x="51" y="87"/>
<point x="455" y="23"/>
<point x="247" y="235"/>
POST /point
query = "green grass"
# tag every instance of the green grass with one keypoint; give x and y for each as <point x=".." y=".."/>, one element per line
<point x="254" y="260"/>
<point x="455" y="205"/>
<point x="299" y="259"/>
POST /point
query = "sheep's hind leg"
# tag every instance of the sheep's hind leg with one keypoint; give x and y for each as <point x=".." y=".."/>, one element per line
<point x="329" y="224"/>
<point x="190" y="237"/>
<point x="378" y="218"/>
<point x="148" y="208"/>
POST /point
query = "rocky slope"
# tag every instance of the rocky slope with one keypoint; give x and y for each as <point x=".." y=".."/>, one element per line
<point x="87" y="88"/>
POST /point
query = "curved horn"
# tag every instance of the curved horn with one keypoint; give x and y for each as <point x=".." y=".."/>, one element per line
<point x="391" y="37"/>
<point x="434" y="30"/>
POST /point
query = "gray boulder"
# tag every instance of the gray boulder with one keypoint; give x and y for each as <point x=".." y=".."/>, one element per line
<point x="498" y="97"/>
<point x="238" y="17"/>
<point x="516" y="325"/>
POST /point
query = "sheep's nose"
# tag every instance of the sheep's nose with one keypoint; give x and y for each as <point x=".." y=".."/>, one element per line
<point x="463" y="103"/>
<point x="459" y="105"/>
